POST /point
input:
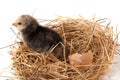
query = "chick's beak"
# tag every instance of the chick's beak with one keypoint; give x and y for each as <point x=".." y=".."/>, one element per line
<point x="14" y="24"/>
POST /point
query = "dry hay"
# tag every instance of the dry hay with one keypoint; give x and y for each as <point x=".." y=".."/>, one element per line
<point x="79" y="36"/>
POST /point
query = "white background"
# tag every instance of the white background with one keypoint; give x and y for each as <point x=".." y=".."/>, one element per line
<point x="47" y="9"/>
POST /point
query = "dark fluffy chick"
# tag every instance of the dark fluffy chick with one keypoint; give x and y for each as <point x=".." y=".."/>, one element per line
<point x="37" y="37"/>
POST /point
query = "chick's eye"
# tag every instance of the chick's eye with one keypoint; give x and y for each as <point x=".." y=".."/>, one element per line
<point x="19" y="23"/>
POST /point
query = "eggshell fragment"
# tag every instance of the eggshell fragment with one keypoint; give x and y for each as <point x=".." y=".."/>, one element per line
<point x="81" y="61"/>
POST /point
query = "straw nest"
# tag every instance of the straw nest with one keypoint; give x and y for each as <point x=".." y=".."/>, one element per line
<point x="79" y="36"/>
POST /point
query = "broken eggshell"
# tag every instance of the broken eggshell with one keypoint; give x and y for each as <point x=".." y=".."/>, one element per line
<point x="81" y="61"/>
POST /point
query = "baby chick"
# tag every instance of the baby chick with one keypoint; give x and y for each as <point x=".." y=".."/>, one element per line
<point x="37" y="37"/>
